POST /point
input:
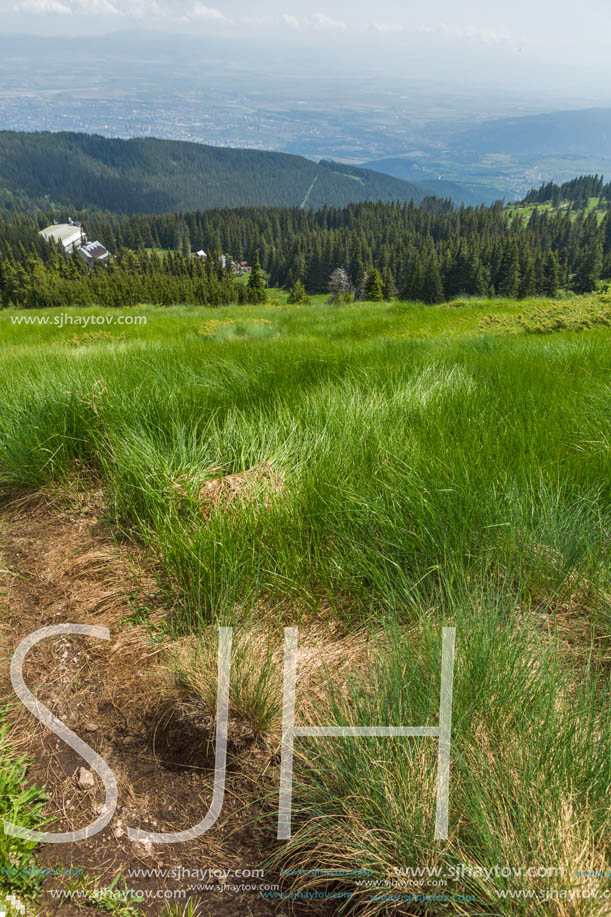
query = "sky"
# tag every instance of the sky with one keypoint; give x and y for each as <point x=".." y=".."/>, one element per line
<point x="517" y="23"/>
<point x="551" y="41"/>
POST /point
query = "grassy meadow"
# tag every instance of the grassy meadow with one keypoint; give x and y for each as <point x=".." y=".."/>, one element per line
<point x="399" y="468"/>
<point x="525" y="211"/>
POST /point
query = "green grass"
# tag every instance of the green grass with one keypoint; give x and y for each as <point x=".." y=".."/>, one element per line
<point x="525" y="211"/>
<point x="415" y="447"/>
<point x="87" y="892"/>
<point x="439" y="465"/>
<point x="529" y="783"/>
<point x="319" y="322"/>
<point x="22" y="804"/>
<point x="160" y="251"/>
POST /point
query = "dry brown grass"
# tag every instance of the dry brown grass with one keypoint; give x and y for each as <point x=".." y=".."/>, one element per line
<point x="324" y="658"/>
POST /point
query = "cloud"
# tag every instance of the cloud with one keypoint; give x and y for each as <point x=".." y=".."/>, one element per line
<point x="207" y="13"/>
<point x="135" y="9"/>
<point x="141" y="9"/>
<point x="480" y="34"/>
<point x="42" y="6"/>
<point x="67" y="8"/>
<point x="95" y="7"/>
<point x="316" y="21"/>
<point x="388" y="27"/>
<point x="291" y="21"/>
<point x="322" y="21"/>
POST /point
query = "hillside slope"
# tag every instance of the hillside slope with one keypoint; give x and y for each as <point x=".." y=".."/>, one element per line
<point x="472" y="195"/>
<point x="149" y="175"/>
<point x="579" y="133"/>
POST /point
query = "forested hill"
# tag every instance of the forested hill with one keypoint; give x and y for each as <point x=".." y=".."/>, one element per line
<point x="158" y="176"/>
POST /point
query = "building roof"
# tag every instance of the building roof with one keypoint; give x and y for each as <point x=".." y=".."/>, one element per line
<point x="66" y="233"/>
<point x="94" y="251"/>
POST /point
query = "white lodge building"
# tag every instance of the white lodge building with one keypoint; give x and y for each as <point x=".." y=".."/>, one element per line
<point x="71" y="235"/>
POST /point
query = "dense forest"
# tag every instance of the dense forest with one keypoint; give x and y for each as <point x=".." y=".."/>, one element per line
<point x="147" y="175"/>
<point x="429" y="252"/>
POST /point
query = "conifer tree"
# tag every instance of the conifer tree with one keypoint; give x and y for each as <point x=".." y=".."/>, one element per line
<point x="432" y="284"/>
<point x="411" y="288"/>
<point x="389" y="287"/>
<point x="509" y="281"/>
<point x="297" y="294"/>
<point x="256" y="282"/>
<point x="374" y="290"/>
<point x="528" y="278"/>
<point x="478" y="285"/>
<point x="589" y="268"/>
<point x="551" y="273"/>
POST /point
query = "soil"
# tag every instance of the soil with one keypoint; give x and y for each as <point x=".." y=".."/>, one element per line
<point x="60" y="564"/>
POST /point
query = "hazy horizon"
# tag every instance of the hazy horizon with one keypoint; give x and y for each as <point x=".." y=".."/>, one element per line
<point x="537" y="47"/>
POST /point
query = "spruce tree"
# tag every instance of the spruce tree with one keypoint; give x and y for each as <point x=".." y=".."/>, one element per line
<point x="509" y="283"/>
<point x="589" y="269"/>
<point x="256" y="282"/>
<point x="297" y="294"/>
<point x="432" y="284"/>
<point x="528" y="278"/>
<point x="374" y="290"/>
<point x="551" y="274"/>
<point x="411" y="288"/>
<point x="389" y="287"/>
<point x="477" y="277"/>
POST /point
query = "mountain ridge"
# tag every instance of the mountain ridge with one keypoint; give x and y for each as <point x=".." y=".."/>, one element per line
<point x="148" y="175"/>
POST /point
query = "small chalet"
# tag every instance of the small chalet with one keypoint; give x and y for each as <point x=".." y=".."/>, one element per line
<point x="94" y="251"/>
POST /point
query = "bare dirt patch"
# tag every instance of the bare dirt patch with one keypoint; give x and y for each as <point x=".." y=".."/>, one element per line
<point x="260" y="480"/>
<point x="60" y="565"/>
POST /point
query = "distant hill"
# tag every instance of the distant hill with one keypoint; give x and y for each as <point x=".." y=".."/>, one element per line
<point x="152" y="176"/>
<point x="578" y="133"/>
<point x="472" y="194"/>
